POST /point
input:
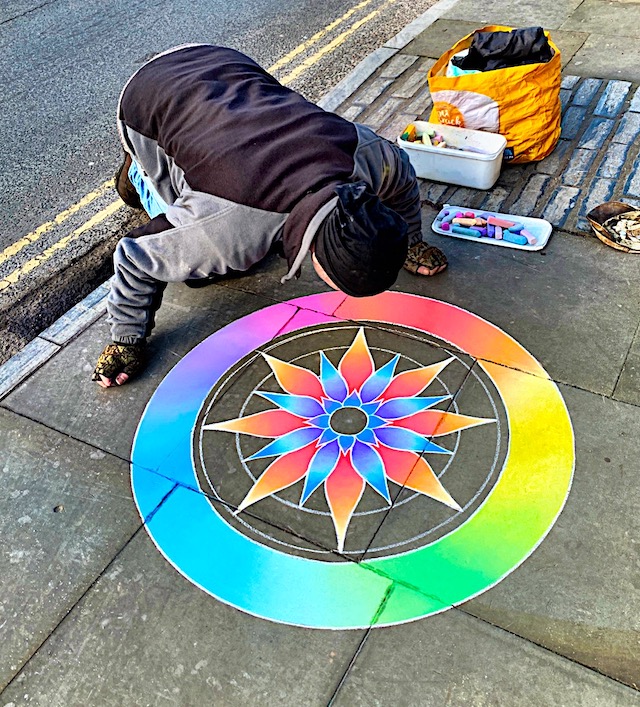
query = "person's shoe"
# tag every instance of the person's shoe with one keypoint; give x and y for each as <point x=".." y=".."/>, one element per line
<point x="125" y="189"/>
<point x="197" y="283"/>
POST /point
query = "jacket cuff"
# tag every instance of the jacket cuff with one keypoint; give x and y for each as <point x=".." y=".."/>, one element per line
<point x="128" y="340"/>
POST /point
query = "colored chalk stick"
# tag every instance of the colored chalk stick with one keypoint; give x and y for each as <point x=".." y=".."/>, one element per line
<point x="469" y="214"/>
<point x="445" y="226"/>
<point x="516" y="228"/>
<point x="481" y="231"/>
<point x="464" y="231"/>
<point x="514" y="238"/>
<point x="500" y="222"/>
<point x="531" y="239"/>
<point x="491" y="231"/>
<point x="498" y="233"/>
<point x="465" y="221"/>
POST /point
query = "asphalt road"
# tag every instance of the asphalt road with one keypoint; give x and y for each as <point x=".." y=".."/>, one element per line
<point x="62" y="66"/>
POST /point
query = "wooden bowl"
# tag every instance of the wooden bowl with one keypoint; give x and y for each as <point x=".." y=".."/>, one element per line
<point x="602" y="213"/>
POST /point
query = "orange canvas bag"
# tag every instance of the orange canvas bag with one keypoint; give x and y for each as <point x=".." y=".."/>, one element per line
<point x="521" y="102"/>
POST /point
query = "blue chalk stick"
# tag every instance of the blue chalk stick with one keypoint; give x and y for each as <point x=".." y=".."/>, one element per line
<point x="516" y="228"/>
<point x="465" y="231"/>
<point x="514" y="238"/>
<point x="491" y="231"/>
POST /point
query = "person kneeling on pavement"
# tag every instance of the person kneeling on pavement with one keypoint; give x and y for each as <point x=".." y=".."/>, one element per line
<point x="230" y="165"/>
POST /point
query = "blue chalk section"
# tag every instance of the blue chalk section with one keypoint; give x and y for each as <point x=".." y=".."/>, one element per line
<point x="257" y="579"/>
<point x="587" y="90"/>
<point x="565" y="97"/>
<point x="562" y="201"/>
<point x="149" y="489"/>
<point x="632" y="186"/>
<point x="613" y="160"/>
<point x="514" y="238"/>
<point x="635" y="103"/>
<point x="601" y="190"/>
<point x="629" y="129"/>
<point x="572" y="122"/>
<point x="569" y="81"/>
<point x="578" y="166"/>
<point x="613" y="98"/>
<point x="595" y="135"/>
<point x="464" y="231"/>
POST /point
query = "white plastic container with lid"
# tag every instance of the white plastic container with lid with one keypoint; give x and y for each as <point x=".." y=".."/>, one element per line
<point x="476" y="163"/>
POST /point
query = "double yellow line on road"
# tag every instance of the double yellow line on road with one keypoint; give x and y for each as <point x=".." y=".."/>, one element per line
<point x="113" y="207"/>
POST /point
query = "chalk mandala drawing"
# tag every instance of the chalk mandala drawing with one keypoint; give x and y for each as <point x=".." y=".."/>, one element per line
<point x="333" y="462"/>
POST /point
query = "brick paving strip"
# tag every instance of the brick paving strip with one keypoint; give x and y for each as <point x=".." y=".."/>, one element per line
<point x="596" y="159"/>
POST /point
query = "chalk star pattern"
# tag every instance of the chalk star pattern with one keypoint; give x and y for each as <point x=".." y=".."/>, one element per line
<point x="350" y="427"/>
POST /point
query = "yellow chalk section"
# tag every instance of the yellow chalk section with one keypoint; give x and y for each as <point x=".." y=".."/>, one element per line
<point x="16" y="247"/>
<point x="314" y="58"/>
<point x="32" y="264"/>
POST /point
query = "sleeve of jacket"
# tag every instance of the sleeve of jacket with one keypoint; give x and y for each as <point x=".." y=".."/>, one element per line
<point x="389" y="172"/>
<point x="214" y="244"/>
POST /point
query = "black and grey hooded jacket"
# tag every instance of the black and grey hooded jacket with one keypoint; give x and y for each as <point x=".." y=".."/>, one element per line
<point x="242" y="162"/>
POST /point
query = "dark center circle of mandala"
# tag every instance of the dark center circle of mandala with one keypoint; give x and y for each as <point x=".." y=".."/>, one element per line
<point x="348" y="421"/>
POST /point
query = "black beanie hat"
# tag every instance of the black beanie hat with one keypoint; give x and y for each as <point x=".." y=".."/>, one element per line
<point x="362" y="244"/>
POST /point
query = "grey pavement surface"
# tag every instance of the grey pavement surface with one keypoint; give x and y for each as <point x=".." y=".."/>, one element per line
<point x="92" y="614"/>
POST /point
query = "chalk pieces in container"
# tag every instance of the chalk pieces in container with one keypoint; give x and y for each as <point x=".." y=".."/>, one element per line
<point x="507" y="230"/>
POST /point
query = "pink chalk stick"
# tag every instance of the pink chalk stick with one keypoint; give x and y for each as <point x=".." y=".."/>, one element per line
<point x="500" y="222"/>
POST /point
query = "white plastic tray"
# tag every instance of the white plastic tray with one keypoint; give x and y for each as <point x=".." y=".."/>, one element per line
<point x="537" y="227"/>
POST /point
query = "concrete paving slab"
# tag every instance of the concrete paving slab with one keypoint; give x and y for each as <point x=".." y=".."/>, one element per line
<point x="524" y="14"/>
<point x="539" y="298"/>
<point x="144" y="635"/>
<point x="454" y="659"/>
<point x="578" y="594"/>
<point x="596" y="18"/>
<point x="108" y="418"/>
<point x="628" y="386"/>
<point x="439" y="37"/>
<point x="65" y="512"/>
<point x="601" y="55"/>
<point x="265" y="281"/>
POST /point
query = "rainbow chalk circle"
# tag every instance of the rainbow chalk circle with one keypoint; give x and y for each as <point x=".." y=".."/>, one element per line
<point x="507" y="230"/>
<point x="339" y="420"/>
<point x="472" y="158"/>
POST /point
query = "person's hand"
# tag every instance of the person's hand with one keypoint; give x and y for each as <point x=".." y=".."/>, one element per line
<point x="426" y="260"/>
<point x="118" y="363"/>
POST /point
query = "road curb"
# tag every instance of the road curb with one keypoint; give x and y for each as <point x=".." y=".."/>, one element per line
<point x="80" y="317"/>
